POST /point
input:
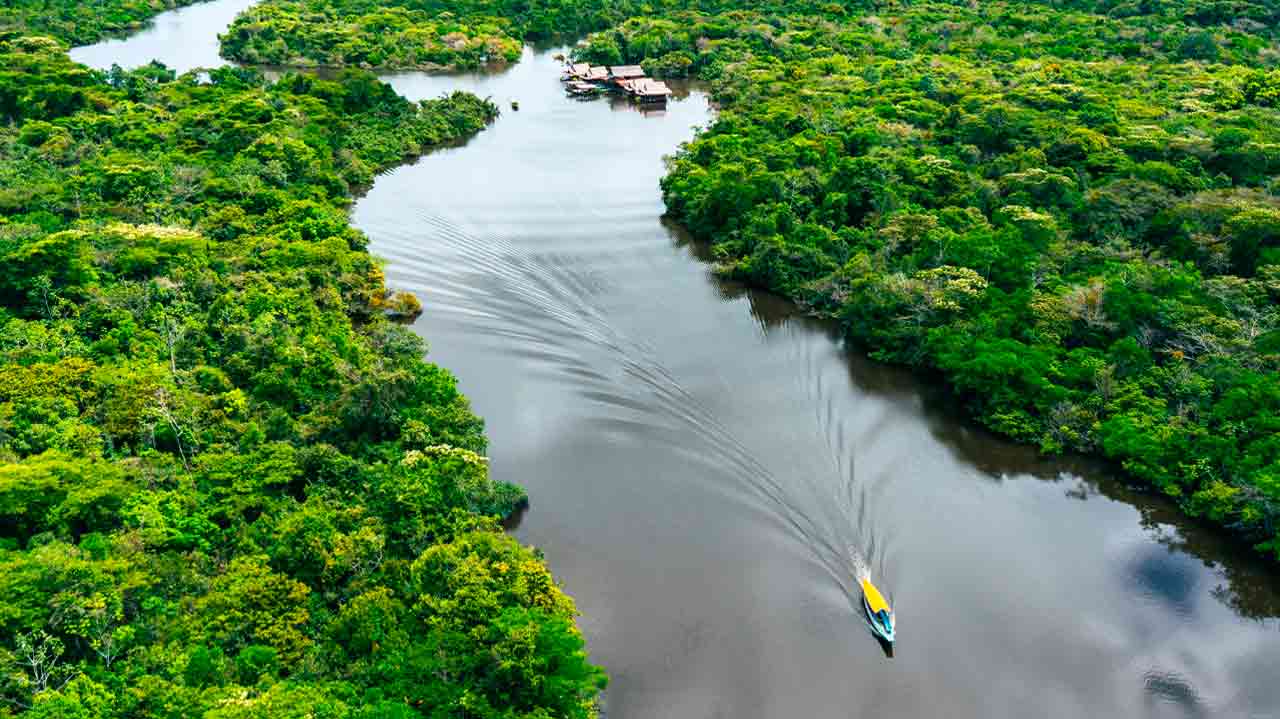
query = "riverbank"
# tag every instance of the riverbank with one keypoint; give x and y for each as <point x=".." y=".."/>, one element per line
<point x="1089" y="271"/>
<point x="670" y="426"/>
<point x="643" y="403"/>
<point x="77" y="24"/>
<point x="695" y="453"/>
<point x="305" y="33"/>
<point x="227" y="479"/>
<point x="1090" y="275"/>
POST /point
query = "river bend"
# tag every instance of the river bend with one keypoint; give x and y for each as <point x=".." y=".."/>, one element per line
<point x="703" y="462"/>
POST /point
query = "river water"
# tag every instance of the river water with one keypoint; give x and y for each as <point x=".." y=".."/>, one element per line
<point x="703" y="464"/>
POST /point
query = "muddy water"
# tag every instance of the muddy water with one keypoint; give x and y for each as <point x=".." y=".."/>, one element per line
<point x="703" y="464"/>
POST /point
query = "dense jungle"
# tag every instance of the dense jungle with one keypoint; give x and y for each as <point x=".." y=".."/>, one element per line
<point x="231" y="485"/>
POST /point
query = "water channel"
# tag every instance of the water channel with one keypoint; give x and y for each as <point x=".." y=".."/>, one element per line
<point x="702" y="462"/>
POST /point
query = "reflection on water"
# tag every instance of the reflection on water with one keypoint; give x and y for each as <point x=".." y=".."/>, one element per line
<point x="1242" y="582"/>
<point x="1167" y="579"/>
<point x="699" y="460"/>
<point x="182" y="39"/>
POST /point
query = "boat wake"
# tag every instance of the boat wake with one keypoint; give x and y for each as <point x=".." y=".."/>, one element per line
<point x="546" y="309"/>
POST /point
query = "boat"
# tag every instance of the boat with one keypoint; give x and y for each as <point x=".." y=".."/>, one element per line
<point x="582" y="89"/>
<point x="879" y="614"/>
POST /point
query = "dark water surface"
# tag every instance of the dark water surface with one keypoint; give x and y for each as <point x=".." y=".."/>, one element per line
<point x="701" y="461"/>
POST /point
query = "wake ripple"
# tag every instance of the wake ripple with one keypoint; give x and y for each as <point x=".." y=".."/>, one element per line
<point x="544" y="308"/>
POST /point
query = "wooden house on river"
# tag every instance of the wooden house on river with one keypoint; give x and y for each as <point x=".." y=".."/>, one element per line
<point x="583" y="80"/>
<point x="621" y="74"/>
<point x="648" y="90"/>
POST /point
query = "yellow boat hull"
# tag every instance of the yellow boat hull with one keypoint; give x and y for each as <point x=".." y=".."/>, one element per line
<point x="879" y="614"/>
<point x="875" y="600"/>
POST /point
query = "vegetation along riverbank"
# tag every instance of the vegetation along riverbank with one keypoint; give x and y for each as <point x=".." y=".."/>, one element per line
<point x="229" y="485"/>
<point x="411" y="34"/>
<point x="1067" y="210"/>
<point x="80" y="22"/>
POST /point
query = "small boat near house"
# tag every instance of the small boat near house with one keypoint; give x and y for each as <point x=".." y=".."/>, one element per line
<point x="578" y="88"/>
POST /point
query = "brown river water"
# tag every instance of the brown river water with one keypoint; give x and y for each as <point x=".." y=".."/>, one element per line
<point x="704" y="464"/>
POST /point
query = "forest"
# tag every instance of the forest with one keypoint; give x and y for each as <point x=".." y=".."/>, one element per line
<point x="230" y="484"/>
<point x="434" y="34"/>
<point x="79" y="21"/>
<point x="315" y="33"/>
<point x="1067" y="211"/>
<point x="1075" y="222"/>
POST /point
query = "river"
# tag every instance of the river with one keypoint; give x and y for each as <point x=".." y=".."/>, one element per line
<point x="700" y="459"/>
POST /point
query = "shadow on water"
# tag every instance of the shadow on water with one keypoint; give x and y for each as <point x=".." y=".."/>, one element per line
<point x="512" y="521"/>
<point x="885" y="647"/>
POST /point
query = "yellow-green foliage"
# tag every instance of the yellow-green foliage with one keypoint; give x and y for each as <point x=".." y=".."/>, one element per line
<point x="77" y="22"/>
<point x="316" y="32"/>
<point x="222" y="468"/>
<point x="1074" y="217"/>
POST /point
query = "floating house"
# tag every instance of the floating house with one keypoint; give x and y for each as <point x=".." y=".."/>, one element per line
<point x="621" y="74"/>
<point x="576" y="72"/>
<point x="585" y="80"/>
<point x="621" y="77"/>
<point x="647" y="90"/>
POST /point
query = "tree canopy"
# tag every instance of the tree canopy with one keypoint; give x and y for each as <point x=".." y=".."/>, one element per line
<point x="1073" y="217"/>
<point x="230" y="485"/>
<point x="80" y="22"/>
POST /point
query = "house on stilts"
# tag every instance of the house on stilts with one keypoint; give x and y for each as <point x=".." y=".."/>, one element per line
<point x="584" y="80"/>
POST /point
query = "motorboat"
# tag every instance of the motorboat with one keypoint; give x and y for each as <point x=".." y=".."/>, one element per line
<point x="879" y="614"/>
